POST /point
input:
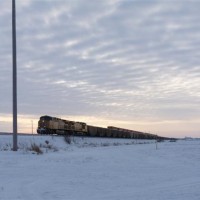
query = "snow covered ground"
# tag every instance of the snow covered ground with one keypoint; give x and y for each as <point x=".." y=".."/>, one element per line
<point x="99" y="169"/>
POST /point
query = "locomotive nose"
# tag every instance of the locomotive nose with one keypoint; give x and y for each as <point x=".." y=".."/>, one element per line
<point x="38" y="131"/>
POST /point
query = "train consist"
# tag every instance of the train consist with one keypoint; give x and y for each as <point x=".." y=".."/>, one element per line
<point x="52" y="125"/>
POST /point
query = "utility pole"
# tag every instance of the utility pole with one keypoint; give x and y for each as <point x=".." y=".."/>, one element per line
<point x="32" y="126"/>
<point x="14" y="77"/>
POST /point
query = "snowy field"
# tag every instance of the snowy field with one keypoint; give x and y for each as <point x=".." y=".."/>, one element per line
<point x="99" y="169"/>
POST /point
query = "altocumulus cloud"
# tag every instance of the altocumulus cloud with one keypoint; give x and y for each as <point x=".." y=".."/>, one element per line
<point x="126" y="63"/>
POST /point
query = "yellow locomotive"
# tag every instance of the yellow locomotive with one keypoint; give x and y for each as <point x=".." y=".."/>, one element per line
<point x="54" y="125"/>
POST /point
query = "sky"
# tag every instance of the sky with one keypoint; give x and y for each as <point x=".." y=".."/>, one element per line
<point x="127" y="63"/>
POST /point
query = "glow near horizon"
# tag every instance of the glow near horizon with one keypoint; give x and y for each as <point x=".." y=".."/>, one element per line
<point x="25" y="125"/>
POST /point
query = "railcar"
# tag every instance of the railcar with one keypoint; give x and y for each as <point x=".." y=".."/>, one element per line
<point x="126" y="133"/>
<point x="95" y="131"/>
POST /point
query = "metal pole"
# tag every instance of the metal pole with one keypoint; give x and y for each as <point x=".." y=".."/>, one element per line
<point x="14" y="77"/>
<point x="32" y="126"/>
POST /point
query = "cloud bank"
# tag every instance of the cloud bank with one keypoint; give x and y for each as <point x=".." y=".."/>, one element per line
<point x="130" y="63"/>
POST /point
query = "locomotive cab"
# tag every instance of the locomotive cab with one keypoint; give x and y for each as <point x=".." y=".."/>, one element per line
<point x="43" y="124"/>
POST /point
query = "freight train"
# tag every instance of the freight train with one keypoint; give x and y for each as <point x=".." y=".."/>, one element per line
<point x="53" y="125"/>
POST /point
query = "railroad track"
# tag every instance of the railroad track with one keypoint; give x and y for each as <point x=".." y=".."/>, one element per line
<point x="21" y="134"/>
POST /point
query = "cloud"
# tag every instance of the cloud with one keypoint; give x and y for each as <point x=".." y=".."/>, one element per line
<point x="119" y="60"/>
